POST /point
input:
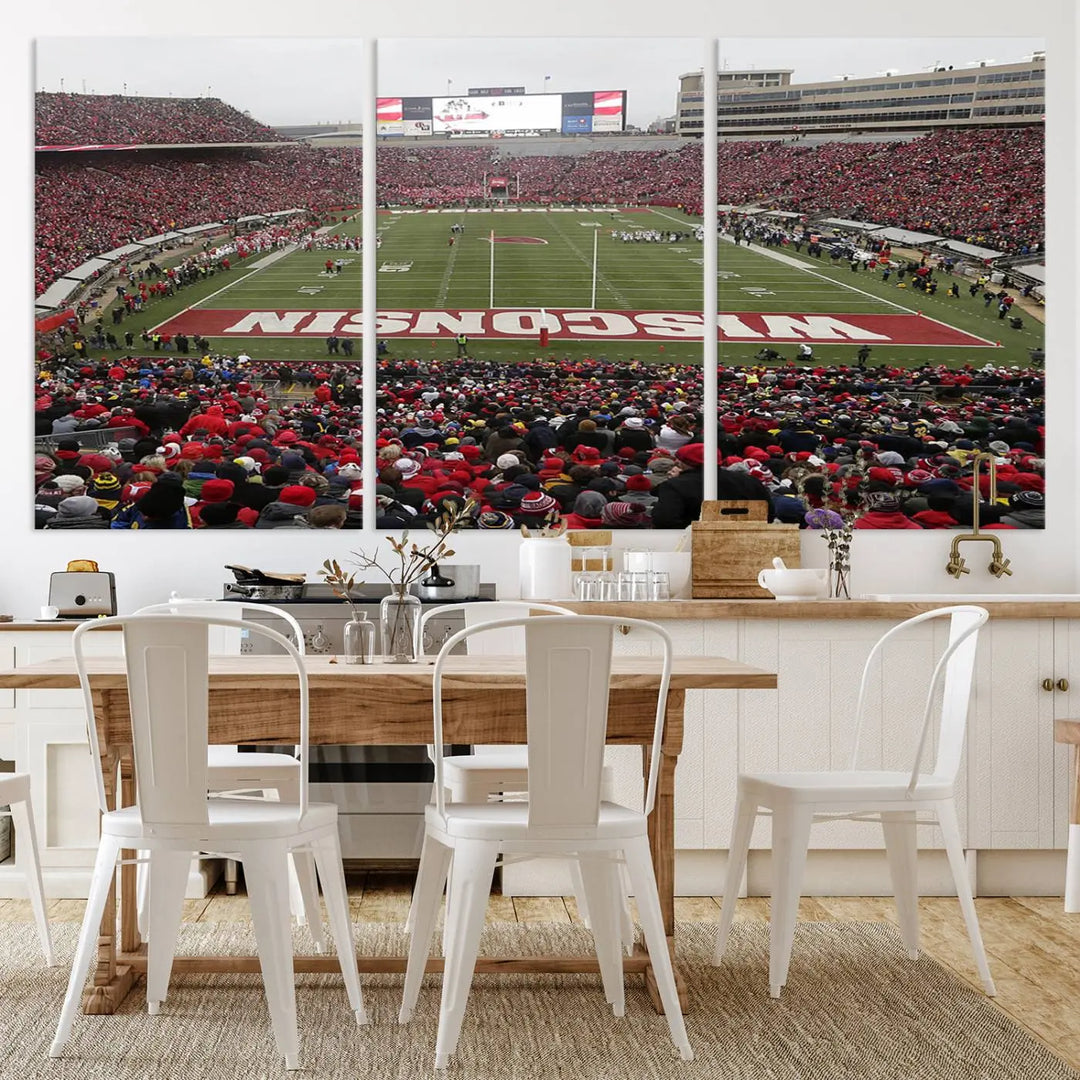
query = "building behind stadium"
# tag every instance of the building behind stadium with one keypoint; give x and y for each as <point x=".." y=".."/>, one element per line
<point x="763" y="102"/>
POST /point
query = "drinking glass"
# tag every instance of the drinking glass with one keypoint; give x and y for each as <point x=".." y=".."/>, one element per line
<point x="586" y="587"/>
<point x="608" y="586"/>
<point x="659" y="588"/>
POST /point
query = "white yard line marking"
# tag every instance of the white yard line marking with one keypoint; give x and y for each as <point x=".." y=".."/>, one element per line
<point x="198" y="303"/>
<point x="799" y="265"/>
<point x="447" y="274"/>
<point x="601" y="277"/>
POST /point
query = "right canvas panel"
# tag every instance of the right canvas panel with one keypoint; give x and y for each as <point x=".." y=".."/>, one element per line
<point x="882" y="278"/>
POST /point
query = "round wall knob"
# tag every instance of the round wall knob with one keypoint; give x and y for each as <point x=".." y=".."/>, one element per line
<point x="1063" y="684"/>
<point x="1048" y="684"/>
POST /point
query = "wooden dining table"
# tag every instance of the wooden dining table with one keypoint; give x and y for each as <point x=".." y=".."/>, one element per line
<point x="254" y="699"/>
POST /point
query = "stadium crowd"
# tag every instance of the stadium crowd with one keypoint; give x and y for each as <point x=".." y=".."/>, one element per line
<point x="119" y="120"/>
<point x="983" y="187"/>
<point x="97" y="204"/>
<point x="199" y="444"/>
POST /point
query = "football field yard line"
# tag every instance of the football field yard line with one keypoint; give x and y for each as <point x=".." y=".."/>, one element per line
<point x="199" y="303"/>
<point x="447" y="274"/>
<point x="600" y="277"/>
<point x="787" y="260"/>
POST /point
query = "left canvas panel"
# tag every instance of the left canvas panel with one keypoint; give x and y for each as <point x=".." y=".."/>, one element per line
<point x="197" y="283"/>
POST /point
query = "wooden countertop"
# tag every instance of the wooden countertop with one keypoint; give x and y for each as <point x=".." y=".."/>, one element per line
<point x="816" y="609"/>
<point x="747" y="609"/>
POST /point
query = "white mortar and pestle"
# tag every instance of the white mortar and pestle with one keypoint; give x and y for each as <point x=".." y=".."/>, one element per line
<point x="788" y="584"/>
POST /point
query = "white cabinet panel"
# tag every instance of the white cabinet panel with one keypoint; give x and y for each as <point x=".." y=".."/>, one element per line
<point x="7" y="660"/>
<point x="56" y="755"/>
<point x="722" y="724"/>
<point x="1066" y="707"/>
<point x="1012" y="783"/>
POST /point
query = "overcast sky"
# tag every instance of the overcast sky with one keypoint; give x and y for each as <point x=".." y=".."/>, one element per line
<point x="315" y="80"/>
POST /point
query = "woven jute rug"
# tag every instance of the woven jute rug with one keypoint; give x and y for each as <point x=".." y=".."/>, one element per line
<point x="855" y="1007"/>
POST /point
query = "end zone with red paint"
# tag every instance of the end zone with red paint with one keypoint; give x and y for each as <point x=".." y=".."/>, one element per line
<point x="568" y="324"/>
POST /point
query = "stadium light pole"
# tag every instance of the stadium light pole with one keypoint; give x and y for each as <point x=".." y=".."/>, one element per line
<point x="369" y="341"/>
<point x="710" y="267"/>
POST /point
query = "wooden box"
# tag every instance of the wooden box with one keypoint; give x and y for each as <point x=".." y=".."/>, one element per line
<point x="732" y="543"/>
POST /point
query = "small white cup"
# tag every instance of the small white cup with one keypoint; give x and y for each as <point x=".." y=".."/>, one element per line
<point x="50" y="611"/>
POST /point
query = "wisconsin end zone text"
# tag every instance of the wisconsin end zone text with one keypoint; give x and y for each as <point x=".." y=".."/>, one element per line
<point x="577" y="325"/>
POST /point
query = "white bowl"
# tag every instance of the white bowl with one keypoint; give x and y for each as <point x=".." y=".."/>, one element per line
<point x="809" y="584"/>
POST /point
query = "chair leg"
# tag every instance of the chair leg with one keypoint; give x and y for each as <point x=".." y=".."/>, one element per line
<point x="580" y="895"/>
<point x="791" y="838"/>
<point x="308" y="910"/>
<point x="327" y="855"/>
<point x="266" y="871"/>
<point x="410" y="919"/>
<point x="950" y="829"/>
<point x="599" y="879"/>
<point x="167" y="872"/>
<point x="142" y="893"/>
<point x="231" y="876"/>
<point x="22" y="817"/>
<point x="901" y="846"/>
<point x="100" y="883"/>
<point x="302" y="882"/>
<point x="474" y="863"/>
<point x="643" y="880"/>
<point x="626" y="921"/>
<point x="742" y="830"/>
<point x="427" y="894"/>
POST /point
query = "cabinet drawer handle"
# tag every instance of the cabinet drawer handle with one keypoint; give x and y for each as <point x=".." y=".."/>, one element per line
<point x="1063" y="684"/>
<point x="1048" y="684"/>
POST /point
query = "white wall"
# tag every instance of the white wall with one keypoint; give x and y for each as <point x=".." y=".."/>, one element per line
<point x="147" y="566"/>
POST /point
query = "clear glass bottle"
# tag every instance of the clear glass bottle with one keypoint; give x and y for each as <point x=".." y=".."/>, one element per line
<point x="399" y="624"/>
<point x="359" y="639"/>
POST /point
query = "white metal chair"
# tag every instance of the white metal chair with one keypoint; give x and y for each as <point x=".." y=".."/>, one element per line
<point x="895" y="799"/>
<point x="568" y="665"/>
<point x="167" y="662"/>
<point x="474" y="778"/>
<point x="229" y="770"/>
<point x="15" y="795"/>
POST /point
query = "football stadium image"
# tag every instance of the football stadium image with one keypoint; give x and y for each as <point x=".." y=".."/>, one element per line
<point x="540" y="302"/>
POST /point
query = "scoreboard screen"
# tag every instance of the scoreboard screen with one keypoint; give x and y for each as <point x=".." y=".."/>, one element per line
<point x="509" y="113"/>
<point x="482" y="115"/>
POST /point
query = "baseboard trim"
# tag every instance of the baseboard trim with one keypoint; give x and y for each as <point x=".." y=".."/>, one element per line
<point x="73" y="882"/>
<point x="830" y="873"/>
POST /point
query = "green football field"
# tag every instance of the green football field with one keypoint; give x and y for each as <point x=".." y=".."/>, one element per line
<point x="545" y="260"/>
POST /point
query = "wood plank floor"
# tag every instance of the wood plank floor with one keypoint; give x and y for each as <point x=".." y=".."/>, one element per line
<point x="1034" y="948"/>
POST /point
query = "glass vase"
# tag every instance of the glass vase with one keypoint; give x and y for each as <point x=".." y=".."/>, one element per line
<point x="359" y="640"/>
<point x="399" y="623"/>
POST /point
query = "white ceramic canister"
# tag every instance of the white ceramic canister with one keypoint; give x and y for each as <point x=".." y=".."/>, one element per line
<point x="544" y="568"/>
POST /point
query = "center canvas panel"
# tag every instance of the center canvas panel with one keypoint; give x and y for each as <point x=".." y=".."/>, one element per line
<point x="539" y="280"/>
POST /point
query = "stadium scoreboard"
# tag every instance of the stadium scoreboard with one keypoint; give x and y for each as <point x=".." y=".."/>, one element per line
<point x="502" y="111"/>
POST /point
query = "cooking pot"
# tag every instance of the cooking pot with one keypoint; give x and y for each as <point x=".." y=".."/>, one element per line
<point x="265" y="592"/>
<point x="259" y="585"/>
<point x="447" y="582"/>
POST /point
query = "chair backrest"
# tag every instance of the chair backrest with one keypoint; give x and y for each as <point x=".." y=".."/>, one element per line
<point x="167" y="660"/>
<point x="512" y="641"/>
<point x="233" y="610"/>
<point x="567" y="676"/>
<point x="956" y="669"/>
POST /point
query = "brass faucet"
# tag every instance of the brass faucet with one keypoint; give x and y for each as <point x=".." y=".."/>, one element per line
<point x="999" y="565"/>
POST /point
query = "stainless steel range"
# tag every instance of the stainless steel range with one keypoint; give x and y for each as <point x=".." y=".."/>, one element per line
<point x="380" y="791"/>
